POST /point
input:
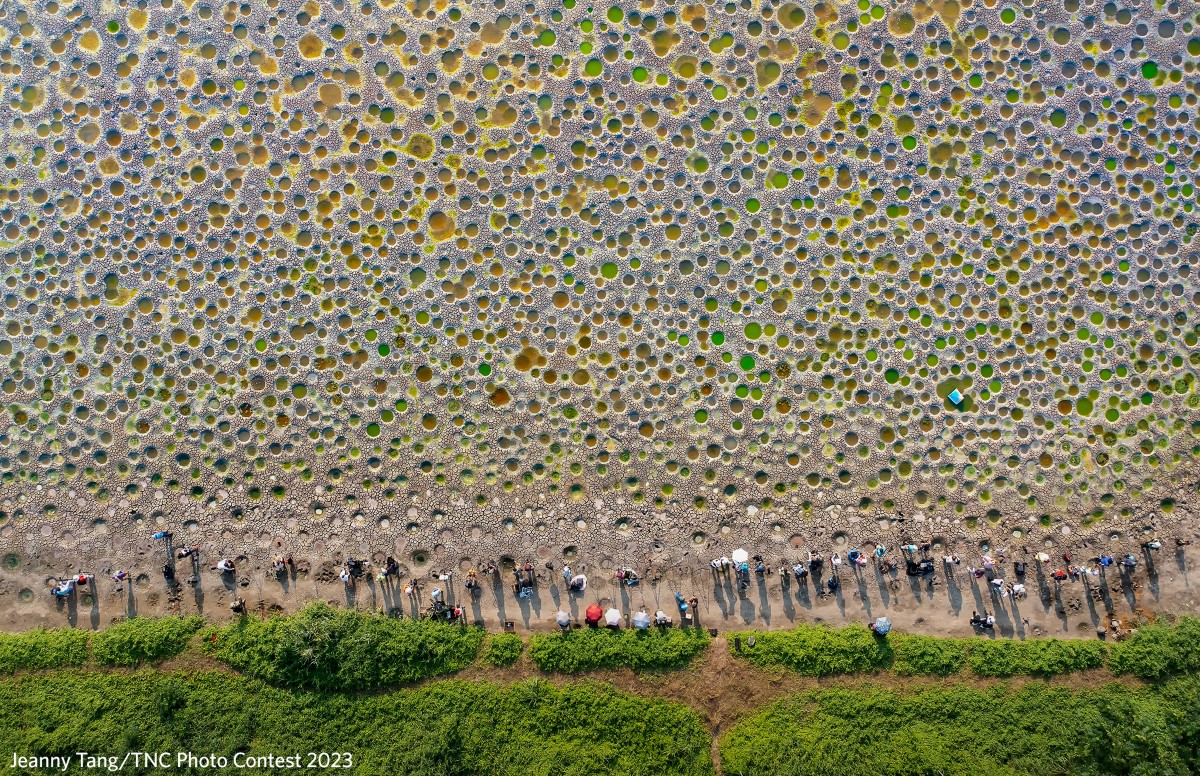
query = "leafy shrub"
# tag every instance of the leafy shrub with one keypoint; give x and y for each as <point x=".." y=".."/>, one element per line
<point x="1049" y="657"/>
<point x="961" y="731"/>
<point x="927" y="656"/>
<point x="994" y="658"/>
<point x="1159" y="650"/>
<point x="503" y="649"/>
<point x="591" y="649"/>
<point x="1039" y="657"/>
<point x="41" y="649"/>
<point x="330" y="649"/>
<point x="818" y="650"/>
<point x="447" y="728"/>
<point x="143" y="640"/>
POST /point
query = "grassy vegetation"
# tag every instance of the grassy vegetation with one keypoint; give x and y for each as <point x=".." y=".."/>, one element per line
<point x="1156" y="651"/>
<point x="503" y="649"/>
<point x="927" y="656"/>
<point x="40" y="649"/>
<point x="451" y="728"/>
<point x="818" y="650"/>
<point x="963" y="730"/>
<point x="1035" y="657"/>
<point x="591" y="649"/>
<point x="455" y="727"/>
<point x="127" y="643"/>
<point x="1159" y="650"/>
<point x="137" y="641"/>
<point x="323" y="648"/>
<point x="332" y="649"/>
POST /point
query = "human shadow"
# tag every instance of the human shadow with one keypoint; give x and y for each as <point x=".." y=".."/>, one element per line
<point x="1060" y="608"/>
<point x="388" y="592"/>
<point x="764" y="602"/>
<point x="1044" y="593"/>
<point x="785" y="587"/>
<point x="475" y="599"/>
<point x="953" y="592"/>
<point x="726" y="598"/>
<point x="131" y="605"/>
<point x="718" y="582"/>
<point x="1127" y="588"/>
<point x="197" y="583"/>
<point x="1018" y="620"/>
<point x="373" y="592"/>
<point x="498" y="596"/>
<point x="1004" y="623"/>
<point x="1090" y="597"/>
<point x="415" y="600"/>
<point x="803" y="593"/>
<point x="818" y="581"/>
<point x="525" y="606"/>
<point x="881" y="583"/>
<point x="285" y="583"/>
<point x="535" y="601"/>
<point x="864" y="595"/>
<point x="94" y="613"/>
<point x="1151" y="572"/>
<point x="72" y="606"/>
<point x="914" y="584"/>
<point x="1105" y="592"/>
<point x="838" y="598"/>
<point x="980" y="604"/>
<point x="746" y="609"/>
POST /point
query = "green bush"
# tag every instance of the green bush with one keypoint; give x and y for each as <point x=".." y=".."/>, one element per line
<point x="1159" y="650"/>
<point x="452" y="728"/>
<point x="591" y="649"/>
<point x="927" y="655"/>
<point x="965" y="731"/>
<point x="818" y="650"/>
<point x="1038" y="657"/>
<point x="1050" y="657"/>
<point x="142" y="640"/>
<point x="41" y="649"/>
<point x="323" y="648"/>
<point x="503" y="649"/>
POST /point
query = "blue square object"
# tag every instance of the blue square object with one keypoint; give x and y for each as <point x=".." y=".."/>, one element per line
<point x="955" y="397"/>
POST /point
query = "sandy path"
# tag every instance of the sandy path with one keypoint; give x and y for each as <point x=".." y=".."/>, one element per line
<point x="939" y="604"/>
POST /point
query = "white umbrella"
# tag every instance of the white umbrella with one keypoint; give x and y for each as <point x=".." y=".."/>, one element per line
<point x="563" y="619"/>
<point x="641" y="621"/>
<point x="740" y="556"/>
<point x="612" y="617"/>
<point x="579" y="583"/>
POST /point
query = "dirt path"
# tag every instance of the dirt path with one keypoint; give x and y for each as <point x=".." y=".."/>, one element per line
<point x="938" y="604"/>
